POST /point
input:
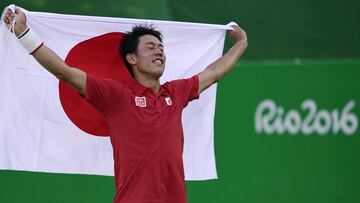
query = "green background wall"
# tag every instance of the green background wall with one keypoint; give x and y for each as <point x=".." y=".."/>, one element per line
<point x="277" y="29"/>
<point x="298" y="50"/>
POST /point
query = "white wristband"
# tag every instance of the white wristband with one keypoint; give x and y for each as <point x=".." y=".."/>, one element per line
<point x="30" y="41"/>
<point x="23" y="33"/>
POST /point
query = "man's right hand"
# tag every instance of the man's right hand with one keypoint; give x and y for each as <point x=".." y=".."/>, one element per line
<point x="20" y="25"/>
<point x="47" y="58"/>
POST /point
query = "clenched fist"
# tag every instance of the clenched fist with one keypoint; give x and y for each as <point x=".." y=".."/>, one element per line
<point x="20" y="24"/>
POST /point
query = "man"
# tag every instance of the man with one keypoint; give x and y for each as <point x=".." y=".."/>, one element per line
<point x="144" y="117"/>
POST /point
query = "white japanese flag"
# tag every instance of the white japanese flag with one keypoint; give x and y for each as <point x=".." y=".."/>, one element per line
<point x="40" y="129"/>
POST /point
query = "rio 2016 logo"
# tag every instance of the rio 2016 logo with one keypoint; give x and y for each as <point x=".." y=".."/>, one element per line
<point x="272" y="119"/>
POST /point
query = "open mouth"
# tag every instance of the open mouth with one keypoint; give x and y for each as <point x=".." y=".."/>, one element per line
<point x="158" y="61"/>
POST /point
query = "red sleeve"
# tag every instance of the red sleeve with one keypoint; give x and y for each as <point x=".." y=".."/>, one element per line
<point x="185" y="90"/>
<point x="100" y="93"/>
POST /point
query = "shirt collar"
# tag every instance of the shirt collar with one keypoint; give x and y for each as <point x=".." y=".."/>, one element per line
<point x="140" y="89"/>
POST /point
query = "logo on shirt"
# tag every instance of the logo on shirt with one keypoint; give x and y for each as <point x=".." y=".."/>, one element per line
<point x="140" y="101"/>
<point x="168" y="101"/>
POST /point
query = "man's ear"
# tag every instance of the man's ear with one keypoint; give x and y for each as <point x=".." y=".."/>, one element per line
<point x="131" y="58"/>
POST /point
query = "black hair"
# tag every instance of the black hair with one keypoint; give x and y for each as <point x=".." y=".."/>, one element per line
<point x="130" y="41"/>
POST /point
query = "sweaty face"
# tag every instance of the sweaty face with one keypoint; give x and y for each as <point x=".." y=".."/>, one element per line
<point x="150" y="57"/>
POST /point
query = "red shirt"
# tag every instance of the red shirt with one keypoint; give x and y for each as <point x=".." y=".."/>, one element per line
<point x="147" y="136"/>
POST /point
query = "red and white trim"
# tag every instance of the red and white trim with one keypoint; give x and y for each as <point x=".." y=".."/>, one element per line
<point x="30" y="41"/>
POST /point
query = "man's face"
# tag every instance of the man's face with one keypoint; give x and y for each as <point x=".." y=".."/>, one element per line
<point x="150" y="56"/>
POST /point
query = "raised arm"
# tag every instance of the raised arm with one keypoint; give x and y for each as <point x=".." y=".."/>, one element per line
<point x="224" y="64"/>
<point x="46" y="57"/>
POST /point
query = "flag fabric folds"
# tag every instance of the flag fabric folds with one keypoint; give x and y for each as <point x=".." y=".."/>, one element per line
<point x="36" y="134"/>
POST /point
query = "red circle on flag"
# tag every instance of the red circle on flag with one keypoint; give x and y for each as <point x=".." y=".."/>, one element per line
<point x="98" y="56"/>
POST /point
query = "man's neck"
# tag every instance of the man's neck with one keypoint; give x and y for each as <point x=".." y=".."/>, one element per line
<point x="152" y="83"/>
